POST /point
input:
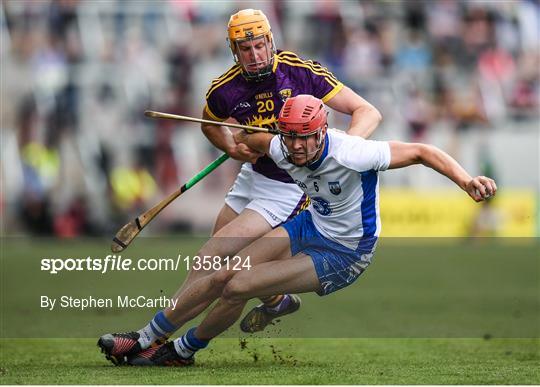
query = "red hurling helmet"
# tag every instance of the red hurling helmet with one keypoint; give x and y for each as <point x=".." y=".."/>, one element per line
<point x="302" y="116"/>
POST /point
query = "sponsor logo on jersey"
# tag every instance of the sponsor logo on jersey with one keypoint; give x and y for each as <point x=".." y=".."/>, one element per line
<point x="242" y="105"/>
<point x="335" y="187"/>
<point x="322" y="206"/>
<point x="285" y="93"/>
<point x="301" y="184"/>
<point x="318" y="177"/>
<point x="264" y="95"/>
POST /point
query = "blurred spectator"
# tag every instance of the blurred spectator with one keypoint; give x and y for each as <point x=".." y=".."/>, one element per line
<point x="418" y="114"/>
<point x="496" y="70"/>
<point x="74" y="220"/>
<point x="362" y="57"/>
<point x="132" y="187"/>
<point x="80" y="74"/>
<point x="63" y="27"/>
<point x="415" y="16"/>
<point x="477" y="33"/>
<point x="327" y="32"/>
<point x="40" y="166"/>
<point x="462" y="105"/>
<point x="444" y="23"/>
<point x="525" y="94"/>
<point x="414" y="56"/>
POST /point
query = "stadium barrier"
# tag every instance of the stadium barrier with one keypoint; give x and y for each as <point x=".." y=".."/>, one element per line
<point x="450" y="213"/>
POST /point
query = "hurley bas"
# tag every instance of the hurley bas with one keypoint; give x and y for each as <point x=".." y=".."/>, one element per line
<point x="82" y="303"/>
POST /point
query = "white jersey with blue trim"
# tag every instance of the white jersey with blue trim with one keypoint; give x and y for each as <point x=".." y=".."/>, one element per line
<point x="343" y="185"/>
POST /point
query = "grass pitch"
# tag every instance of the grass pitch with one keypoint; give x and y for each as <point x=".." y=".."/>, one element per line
<point x="435" y="312"/>
<point x="286" y="361"/>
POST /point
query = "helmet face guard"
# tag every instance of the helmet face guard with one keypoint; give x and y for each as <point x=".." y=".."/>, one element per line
<point x="254" y="70"/>
<point x="246" y="30"/>
<point x="300" y="118"/>
<point x="310" y="157"/>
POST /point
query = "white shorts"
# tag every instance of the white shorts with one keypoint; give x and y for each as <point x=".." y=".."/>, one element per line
<point x="274" y="200"/>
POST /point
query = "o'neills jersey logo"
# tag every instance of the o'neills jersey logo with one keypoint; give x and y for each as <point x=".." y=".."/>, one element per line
<point x="284" y="94"/>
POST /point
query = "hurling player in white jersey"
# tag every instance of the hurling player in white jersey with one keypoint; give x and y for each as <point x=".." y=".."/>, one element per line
<point x="263" y="196"/>
<point x="324" y="248"/>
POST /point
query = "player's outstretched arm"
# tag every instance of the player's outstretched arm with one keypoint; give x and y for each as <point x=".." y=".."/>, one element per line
<point x="364" y="116"/>
<point x="259" y="142"/>
<point x="404" y="154"/>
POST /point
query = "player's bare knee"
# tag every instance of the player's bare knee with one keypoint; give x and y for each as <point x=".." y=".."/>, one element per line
<point x="236" y="289"/>
<point x="220" y="278"/>
<point x="198" y="273"/>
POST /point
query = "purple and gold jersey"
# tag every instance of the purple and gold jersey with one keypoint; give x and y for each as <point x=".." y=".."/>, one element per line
<point x="259" y="103"/>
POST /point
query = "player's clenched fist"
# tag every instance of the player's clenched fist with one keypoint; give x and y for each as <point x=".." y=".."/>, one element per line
<point x="240" y="151"/>
<point x="241" y="137"/>
<point x="481" y="188"/>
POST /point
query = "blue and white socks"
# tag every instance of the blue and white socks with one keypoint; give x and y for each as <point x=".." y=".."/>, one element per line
<point x="188" y="344"/>
<point x="160" y="328"/>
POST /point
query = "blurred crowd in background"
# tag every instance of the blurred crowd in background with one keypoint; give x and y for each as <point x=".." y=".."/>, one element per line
<point x="80" y="158"/>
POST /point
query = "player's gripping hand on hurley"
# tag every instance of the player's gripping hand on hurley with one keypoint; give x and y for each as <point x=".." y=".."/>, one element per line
<point x="481" y="188"/>
<point x="240" y="151"/>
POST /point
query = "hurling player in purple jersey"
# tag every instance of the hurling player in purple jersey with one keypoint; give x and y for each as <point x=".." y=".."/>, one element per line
<point x="252" y="92"/>
<point x="263" y="196"/>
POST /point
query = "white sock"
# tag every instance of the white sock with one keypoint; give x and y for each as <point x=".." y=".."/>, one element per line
<point x="188" y="344"/>
<point x="182" y="349"/>
<point x="159" y="328"/>
<point x="147" y="336"/>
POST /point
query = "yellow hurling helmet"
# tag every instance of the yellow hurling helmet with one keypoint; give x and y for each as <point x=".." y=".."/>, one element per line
<point x="249" y="25"/>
